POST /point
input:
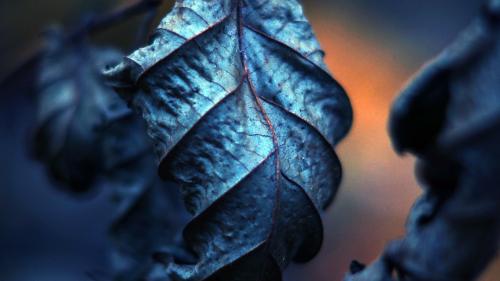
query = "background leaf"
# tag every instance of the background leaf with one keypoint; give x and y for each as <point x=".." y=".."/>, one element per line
<point x="449" y="116"/>
<point x="244" y="116"/>
<point x="88" y="137"/>
<point x="73" y="108"/>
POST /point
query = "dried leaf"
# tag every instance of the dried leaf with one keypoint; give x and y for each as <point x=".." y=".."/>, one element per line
<point x="456" y="88"/>
<point x="73" y="108"/>
<point x="244" y="115"/>
<point x="449" y="116"/>
<point x="89" y="137"/>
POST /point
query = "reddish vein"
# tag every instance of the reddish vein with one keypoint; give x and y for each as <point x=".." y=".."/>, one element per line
<point x="264" y="115"/>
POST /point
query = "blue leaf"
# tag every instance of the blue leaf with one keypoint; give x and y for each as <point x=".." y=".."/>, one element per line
<point x="245" y="116"/>
<point x="89" y="137"/>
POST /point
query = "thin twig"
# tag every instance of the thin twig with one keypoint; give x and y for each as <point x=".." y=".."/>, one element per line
<point x="92" y="25"/>
<point x="102" y="22"/>
<point x="144" y="29"/>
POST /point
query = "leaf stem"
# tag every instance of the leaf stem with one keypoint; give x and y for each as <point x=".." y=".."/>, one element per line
<point x="144" y="28"/>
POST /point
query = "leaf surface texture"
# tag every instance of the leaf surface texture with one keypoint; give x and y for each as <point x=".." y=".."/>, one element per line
<point x="245" y="116"/>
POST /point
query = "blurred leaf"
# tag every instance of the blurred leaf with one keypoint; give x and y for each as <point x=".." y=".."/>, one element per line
<point x="73" y="108"/>
<point x="88" y="136"/>
<point x="449" y="116"/>
<point x="244" y="116"/>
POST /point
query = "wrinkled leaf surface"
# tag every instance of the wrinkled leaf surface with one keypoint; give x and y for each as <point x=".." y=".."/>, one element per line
<point x="244" y="115"/>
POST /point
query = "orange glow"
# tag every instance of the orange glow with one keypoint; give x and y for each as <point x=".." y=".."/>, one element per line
<point x="379" y="187"/>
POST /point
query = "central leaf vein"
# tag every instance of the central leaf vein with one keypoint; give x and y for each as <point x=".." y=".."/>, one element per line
<point x="258" y="101"/>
